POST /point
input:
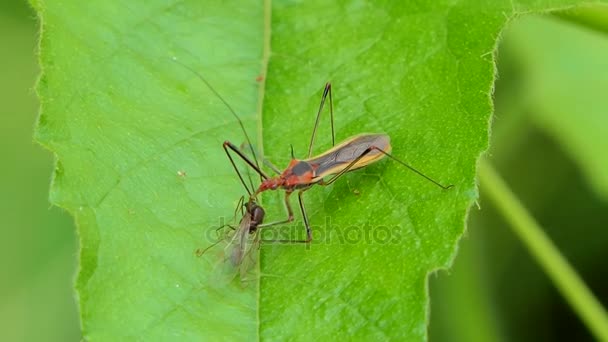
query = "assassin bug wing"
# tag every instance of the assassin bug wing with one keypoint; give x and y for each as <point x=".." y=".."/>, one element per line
<point x="335" y="159"/>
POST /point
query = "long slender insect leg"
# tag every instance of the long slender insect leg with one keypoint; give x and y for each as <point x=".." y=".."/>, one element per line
<point x="270" y="224"/>
<point x="288" y="206"/>
<point x="264" y="160"/>
<point x="200" y="252"/>
<point x="331" y="115"/>
<point x="305" y="217"/>
<point x="289" y="214"/>
<point x="368" y="150"/>
<point x="326" y="92"/>
<point x="347" y="168"/>
<point x="289" y="219"/>
<point x="239" y="205"/>
<point x="228" y="145"/>
<point x="444" y="187"/>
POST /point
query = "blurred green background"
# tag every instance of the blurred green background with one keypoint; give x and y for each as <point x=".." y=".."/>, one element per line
<point x="549" y="142"/>
<point x="38" y="245"/>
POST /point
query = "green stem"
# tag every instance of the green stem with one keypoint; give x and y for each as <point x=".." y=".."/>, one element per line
<point x="547" y="255"/>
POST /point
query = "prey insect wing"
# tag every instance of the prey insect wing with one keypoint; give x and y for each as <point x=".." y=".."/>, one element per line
<point x="236" y="251"/>
<point x="241" y="244"/>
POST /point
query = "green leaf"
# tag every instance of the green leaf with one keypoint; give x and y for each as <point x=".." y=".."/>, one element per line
<point x="140" y="165"/>
<point x="565" y="79"/>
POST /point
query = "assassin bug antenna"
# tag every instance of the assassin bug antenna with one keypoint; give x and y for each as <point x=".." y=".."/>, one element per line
<point x="233" y="112"/>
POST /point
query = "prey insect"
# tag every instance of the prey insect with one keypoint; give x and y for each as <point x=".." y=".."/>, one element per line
<point x="242" y="242"/>
<point x="301" y="174"/>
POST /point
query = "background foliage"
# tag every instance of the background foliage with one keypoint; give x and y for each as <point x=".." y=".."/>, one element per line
<point x="38" y="245"/>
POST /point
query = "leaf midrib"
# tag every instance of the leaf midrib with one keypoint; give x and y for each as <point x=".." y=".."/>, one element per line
<point x="267" y="10"/>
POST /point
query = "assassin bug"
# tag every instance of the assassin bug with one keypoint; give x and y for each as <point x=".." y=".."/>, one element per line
<point x="301" y="174"/>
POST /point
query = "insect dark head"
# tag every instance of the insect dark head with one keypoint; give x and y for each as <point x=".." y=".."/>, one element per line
<point x="257" y="215"/>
